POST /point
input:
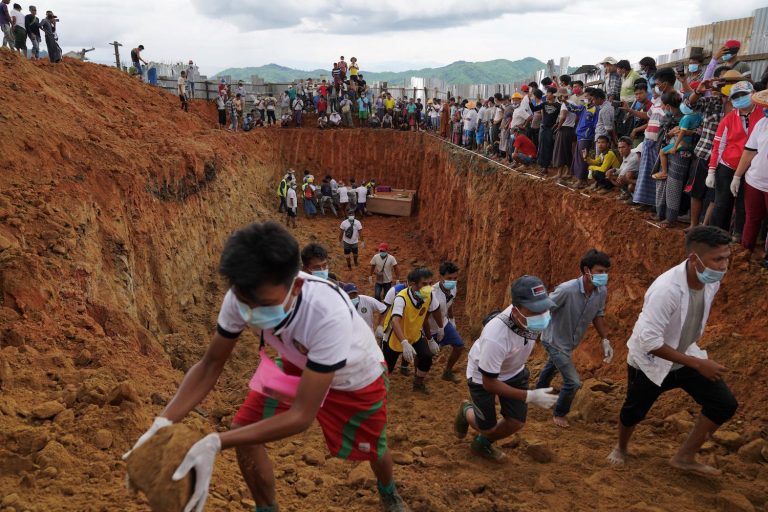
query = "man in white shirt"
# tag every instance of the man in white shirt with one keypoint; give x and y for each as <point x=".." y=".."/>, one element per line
<point x="383" y="271"/>
<point x="343" y="192"/>
<point x="362" y="198"/>
<point x="366" y="307"/>
<point x="444" y="293"/>
<point x="350" y="236"/>
<point x="496" y="367"/>
<point x="292" y="203"/>
<point x="663" y="351"/>
<point x="312" y="325"/>
<point x="181" y="88"/>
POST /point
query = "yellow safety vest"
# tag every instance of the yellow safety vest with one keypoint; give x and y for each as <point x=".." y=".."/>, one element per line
<point x="411" y="321"/>
<point x="282" y="189"/>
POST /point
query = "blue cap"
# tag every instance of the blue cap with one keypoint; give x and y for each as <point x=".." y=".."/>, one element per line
<point x="531" y="293"/>
<point x="350" y="288"/>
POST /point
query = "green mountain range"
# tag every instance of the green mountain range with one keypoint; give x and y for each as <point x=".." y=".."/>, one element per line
<point x="460" y="72"/>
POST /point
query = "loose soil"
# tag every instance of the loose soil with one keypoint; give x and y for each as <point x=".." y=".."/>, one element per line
<point x="113" y="209"/>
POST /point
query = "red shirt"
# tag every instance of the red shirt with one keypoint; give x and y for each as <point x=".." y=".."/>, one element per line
<point x="731" y="137"/>
<point x="322" y="105"/>
<point x="524" y="145"/>
<point x="324" y="90"/>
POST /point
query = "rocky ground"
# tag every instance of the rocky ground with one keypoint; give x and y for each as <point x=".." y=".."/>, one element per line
<point x="113" y="208"/>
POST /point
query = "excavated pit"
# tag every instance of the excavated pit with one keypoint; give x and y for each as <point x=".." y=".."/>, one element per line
<point x="111" y="226"/>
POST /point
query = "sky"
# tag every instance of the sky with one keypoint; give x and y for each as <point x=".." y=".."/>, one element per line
<point x="385" y="35"/>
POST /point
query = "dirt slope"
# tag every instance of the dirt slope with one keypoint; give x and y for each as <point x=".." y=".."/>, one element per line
<point x="113" y="208"/>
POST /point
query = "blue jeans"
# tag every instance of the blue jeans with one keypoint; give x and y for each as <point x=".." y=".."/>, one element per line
<point x="559" y="361"/>
<point x="380" y="290"/>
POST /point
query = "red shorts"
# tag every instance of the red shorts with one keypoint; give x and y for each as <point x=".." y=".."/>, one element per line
<point x="354" y="423"/>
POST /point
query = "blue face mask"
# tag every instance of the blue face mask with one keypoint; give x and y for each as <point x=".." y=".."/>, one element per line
<point x="692" y="68"/>
<point x="355" y="301"/>
<point x="727" y="57"/>
<point x="449" y="285"/>
<point x="685" y="109"/>
<point x="600" y="279"/>
<point x="267" y="317"/>
<point x="383" y="254"/>
<point x="742" y="102"/>
<point x="320" y="273"/>
<point x="538" y="323"/>
<point x="709" y="276"/>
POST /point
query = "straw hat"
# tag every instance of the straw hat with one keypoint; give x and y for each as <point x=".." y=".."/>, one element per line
<point x="471" y="104"/>
<point x="732" y="76"/>
<point x="761" y="98"/>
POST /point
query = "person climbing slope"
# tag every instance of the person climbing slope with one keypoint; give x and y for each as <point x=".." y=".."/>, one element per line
<point x="312" y="325"/>
<point x="350" y="236"/>
<point x="444" y="293"/>
<point x="366" y="307"/>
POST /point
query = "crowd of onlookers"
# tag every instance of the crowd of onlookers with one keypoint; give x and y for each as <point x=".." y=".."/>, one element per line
<point x="18" y="27"/>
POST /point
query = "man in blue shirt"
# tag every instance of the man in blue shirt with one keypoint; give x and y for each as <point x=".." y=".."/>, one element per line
<point x="585" y="131"/>
<point x="578" y="303"/>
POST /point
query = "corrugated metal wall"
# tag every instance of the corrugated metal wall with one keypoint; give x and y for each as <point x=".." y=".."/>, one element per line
<point x="759" y="42"/>
<point x="711" y="36"/>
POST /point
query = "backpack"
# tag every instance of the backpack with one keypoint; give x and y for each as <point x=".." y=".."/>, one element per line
<point x="350" y="231"/>
<point x="497" y="313"/>
<point x="345" y="108"/>
<point x="307" y="192"/>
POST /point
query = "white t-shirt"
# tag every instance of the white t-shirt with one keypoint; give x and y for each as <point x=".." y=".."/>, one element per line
<point x="290" y="198"/>
<point x="444" y="302"/>
<point x="389" y="298"/>
<point x="19" y="17"/>
<point x="343" y="197"/>
<point x="356" y="228"/>
<point x="500" y="352"/>
<point x="181" y="85"/>
<point x="367" y="306"/>
<point x="383" y="265"/>
<point x="570" y="118"/>
<point x="522" y="113"/>
<point x="398" y="306"/>
<point x="362" y="193"/>
<point x="757" y="174"/>
<point x="323" y="333"/>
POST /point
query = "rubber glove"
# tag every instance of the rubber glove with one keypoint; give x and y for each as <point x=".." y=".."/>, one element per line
<point x="159" y="423"/>
<point x="433" y="346"/>
<point x="408" y="351"/>
<point x="607" y="351"/>
<point x="440" y="333"/>
<point x="541" y="397"/>
<point x="379" y="332"/>
<point x="735" y="183"/>
<point x="710" y="181"/>
<point x="200" y="458"/>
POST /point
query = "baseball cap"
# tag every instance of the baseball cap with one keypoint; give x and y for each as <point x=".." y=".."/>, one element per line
<point x="525" y="88"/>
<point x="740" y="87"/>
<point x="732" y="43"/>
<point x="350" y="288"/>
<point x="609" y="60"/>
<point x="383" y="246"/>
<point x="530" y="292"/>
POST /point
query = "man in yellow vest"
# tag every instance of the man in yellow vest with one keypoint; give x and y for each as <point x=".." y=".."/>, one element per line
<point x="282" y="189"/>
<point x="406" y="330"/>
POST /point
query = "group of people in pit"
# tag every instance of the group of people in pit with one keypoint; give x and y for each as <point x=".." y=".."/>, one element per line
<point x="337" y="359"/>
<point x="678" y="142"/>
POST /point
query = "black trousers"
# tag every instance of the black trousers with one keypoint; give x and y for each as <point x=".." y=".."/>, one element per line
<point x="602" y="180"/>
<point x="715" y="398"/>
<point x="725" y="202"/>
<point x="423" y="356"/>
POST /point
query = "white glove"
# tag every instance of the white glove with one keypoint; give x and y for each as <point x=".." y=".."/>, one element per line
<point x="408" y="351"/>
<point x="440" y="333"/>
<point x="370" y="279"/>
<point x="710" y="181"/>
<point x="159" y="423"/>
<point x="200" y="458"/>
<point x="379" y="332"/>
<point x="541" y="397"/>
<point x="607" y="351"/>
<point x="452" y="321"/>
<point x="735" y="183"/>
<point x="433" y="346"/>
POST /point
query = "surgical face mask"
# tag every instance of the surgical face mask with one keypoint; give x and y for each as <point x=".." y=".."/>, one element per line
<point x="424" y="292"/>
<point x="351" y="218"/>
<point x="355" y="301"/>
<point x="599" y="279"/>
<point x="742" y="101"/>
<point x="383" y="254"/>
<point x="685" y="109"/>
<point x="320" y="273"/>
<point x="657" y="89"/>
<point x="708" y="275"/>
<point x="577" y="90"/>
<point x="693" y="68"/>
<point x="268" y="317"/>
<point x="668" y="113"/>
<point x="538" y="323"/>
<point x="449" y="284"/>
<point x="727" y="57"/>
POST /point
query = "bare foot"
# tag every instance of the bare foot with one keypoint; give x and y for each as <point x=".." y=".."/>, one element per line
<point x="694" y="467"/>
<point x="560" y="421"/>
<point x="617" y="456"/>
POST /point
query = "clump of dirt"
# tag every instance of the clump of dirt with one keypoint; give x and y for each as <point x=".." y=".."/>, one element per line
<point x="151" y="466"/>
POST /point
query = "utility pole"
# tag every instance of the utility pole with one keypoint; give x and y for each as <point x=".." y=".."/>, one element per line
<point x="117" y="53"/>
